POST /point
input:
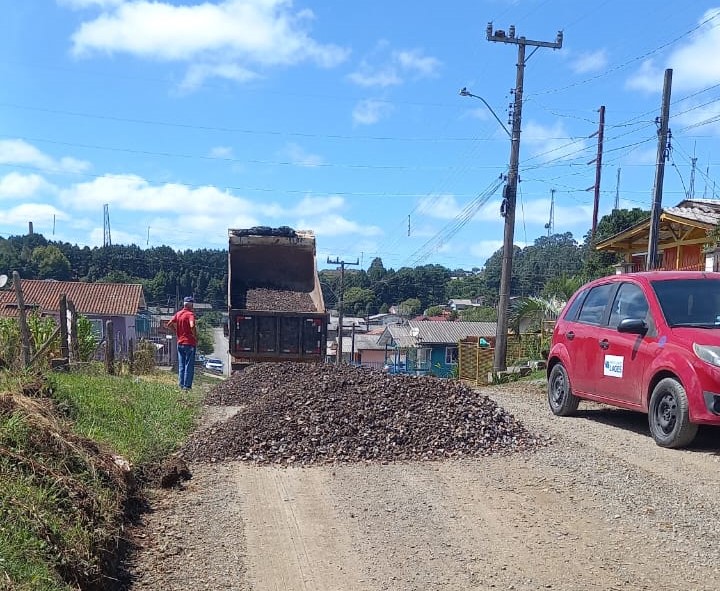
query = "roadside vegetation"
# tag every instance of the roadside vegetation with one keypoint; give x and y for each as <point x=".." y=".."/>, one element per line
<point x="67" y="442"/>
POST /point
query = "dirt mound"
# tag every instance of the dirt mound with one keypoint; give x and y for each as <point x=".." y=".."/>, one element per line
<point x="316" y="413"/>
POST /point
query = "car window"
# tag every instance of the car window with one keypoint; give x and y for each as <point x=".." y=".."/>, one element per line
<point x="595" y="303"/>
<point x="689" y="302"/>
<point x="630" y="302"/>
<point x="571" y="313"/>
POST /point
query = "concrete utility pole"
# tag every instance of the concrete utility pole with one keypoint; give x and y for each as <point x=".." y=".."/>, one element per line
<point x="338" y="358"/>
<point x="507" y="209"/>
<point x="598" y="169"/>
<point x="662" y="156"/>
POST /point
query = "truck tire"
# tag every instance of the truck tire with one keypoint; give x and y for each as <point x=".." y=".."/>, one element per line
<point x="669" y="416"/>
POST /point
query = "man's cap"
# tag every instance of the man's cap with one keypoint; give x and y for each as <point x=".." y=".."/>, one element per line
<point x="188" y="300"/>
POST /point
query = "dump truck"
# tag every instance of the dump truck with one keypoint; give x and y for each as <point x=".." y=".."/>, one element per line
<point x="276" y="310"/>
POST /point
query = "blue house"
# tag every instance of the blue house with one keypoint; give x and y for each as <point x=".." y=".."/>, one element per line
<point x="430" y="347"/>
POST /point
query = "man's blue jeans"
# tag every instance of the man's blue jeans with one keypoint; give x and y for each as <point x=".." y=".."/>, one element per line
<point x="186" y="365"/>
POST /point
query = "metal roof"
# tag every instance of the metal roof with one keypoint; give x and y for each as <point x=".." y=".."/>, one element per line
<point x="451" y="332"/>
<point x="417" y="334"/>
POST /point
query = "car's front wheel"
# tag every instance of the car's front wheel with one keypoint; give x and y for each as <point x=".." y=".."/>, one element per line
<point x="669" y="415"/>
<point x="560" y="397"/>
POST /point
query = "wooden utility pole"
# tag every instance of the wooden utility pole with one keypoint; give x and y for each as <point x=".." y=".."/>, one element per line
<point x="662" y="155"/>
<point x="338" y="359"/>
<point x="598" y="169"/>
<point x="507" y="209"/>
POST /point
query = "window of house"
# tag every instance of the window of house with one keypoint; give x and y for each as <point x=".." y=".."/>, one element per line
<point x="451" y="355"/>
<point x="97" y="328"/>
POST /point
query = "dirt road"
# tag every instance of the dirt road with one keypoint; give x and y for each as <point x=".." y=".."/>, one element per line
<point x="602" y="507"/>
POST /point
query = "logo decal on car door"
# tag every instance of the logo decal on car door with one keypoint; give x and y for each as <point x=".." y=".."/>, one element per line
<point x="613" y="366"/>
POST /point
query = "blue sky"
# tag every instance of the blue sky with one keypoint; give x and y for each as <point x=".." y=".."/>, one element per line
<point x="188" y="118"/>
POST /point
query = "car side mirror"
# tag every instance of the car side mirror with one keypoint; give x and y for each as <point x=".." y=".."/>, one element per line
<point x="633" y="326"/>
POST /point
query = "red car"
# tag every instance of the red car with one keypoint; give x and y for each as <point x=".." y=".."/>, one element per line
<point x="642" y="341"/>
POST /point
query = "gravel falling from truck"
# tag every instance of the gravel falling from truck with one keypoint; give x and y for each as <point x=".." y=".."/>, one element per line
<point x="301" y="414"/>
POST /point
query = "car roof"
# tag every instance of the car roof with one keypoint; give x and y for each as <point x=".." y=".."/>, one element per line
<point x="648" y="276"/>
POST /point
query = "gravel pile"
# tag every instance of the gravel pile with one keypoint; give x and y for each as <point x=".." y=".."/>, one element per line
<point x="294" y="413"/>
<point x="278" y="300"/>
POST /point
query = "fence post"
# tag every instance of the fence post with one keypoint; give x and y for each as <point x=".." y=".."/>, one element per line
<point x="109" y="348"/>
<point x="131" y="354"/>
<point x="64" y="349"/>
<point x="74" y="347"/>
<point x="24" y="331"/>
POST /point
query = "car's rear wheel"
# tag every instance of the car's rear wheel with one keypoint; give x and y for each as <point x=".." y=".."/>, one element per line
<point x="560" y="397"/>
<point x="669" y="415"/>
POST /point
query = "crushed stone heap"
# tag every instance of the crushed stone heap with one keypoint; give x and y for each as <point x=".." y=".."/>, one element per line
<point x="296" y="413"/>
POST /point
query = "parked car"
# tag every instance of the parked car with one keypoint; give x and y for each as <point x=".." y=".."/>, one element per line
<point x="213" y="364"/>
<point x="643" y="341"/>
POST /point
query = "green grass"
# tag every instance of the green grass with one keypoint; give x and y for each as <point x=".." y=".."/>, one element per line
<point x="62" y="501"/>
<point x="142" y="420"/>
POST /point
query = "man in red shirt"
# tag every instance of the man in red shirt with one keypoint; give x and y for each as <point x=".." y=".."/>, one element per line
<point x="183" y="324"/>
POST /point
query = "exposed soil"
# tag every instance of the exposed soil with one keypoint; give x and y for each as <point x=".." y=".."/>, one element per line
<point x="601" y="507"/>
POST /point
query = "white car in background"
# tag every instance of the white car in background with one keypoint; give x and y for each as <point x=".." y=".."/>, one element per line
<point x="213" y="364"/>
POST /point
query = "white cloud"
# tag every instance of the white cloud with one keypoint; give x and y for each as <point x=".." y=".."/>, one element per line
<point x="18" y="186"/>
<point x="415" y="62"/>
<point x="590" y="62"/>
<point x="552" y="142"/>
<point x="692" y="69"/>
<point x="395" y="69"/>
<point x="40" y="214"/>
<point x="444" y="207"/>
<point x="537" y="211"/>
<point x="337" y="225"/>
<point x="227" y="39"/>
<point x="133" y="193"/>
<point x="197" y="74"/>
<point x="20" y="152"/>
<point x="484" y="249"/>
<point x="221" y="152"/>
<point x="370" y="111"/>
<point x="301" y="157"/>
<point x="316" y="206"/>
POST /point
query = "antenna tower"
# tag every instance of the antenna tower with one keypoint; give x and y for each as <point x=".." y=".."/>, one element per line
<point x="550" y="226"/>
<point x="107" y="240"/>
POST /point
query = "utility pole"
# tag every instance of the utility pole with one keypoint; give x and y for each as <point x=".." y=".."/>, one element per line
<point x="507" y="209"/>
<point x="617" y="190"/>
<point x="662" y="155"/>
<point x="338" y="358"/>
<point x="598" y="169"/>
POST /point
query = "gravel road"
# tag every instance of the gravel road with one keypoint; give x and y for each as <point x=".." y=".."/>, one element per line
<point x="599" y="508"/>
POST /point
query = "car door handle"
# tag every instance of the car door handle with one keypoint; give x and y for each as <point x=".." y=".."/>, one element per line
<point x="570" y="335"/>
<point x="604" y="344"/>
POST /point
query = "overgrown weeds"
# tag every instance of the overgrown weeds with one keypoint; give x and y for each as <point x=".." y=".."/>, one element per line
<point x="64" y="494"/>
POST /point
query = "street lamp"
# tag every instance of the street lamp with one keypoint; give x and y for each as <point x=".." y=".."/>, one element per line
<point x="465" y="92"/>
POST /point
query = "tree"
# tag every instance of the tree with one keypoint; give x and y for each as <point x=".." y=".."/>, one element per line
<point x="599" y="264"/>
<point x="50" y="263"/>
<point x="410" y="307"/>
<point x="479" y="314"/>
<point x="529" y="313"/>
<point x="434" y="311"/>
<point x="357" y="300"/>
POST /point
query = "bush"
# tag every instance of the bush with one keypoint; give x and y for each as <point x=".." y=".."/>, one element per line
<point x="144" y="358"/>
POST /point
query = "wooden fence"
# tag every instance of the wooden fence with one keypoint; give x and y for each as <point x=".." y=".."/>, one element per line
<point x="475" y="363"/>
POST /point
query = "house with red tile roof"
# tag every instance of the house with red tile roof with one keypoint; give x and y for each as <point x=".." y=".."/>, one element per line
<point x="99" y="302"/>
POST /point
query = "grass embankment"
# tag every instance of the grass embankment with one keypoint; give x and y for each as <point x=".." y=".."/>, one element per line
<point x="62" y="494"/>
